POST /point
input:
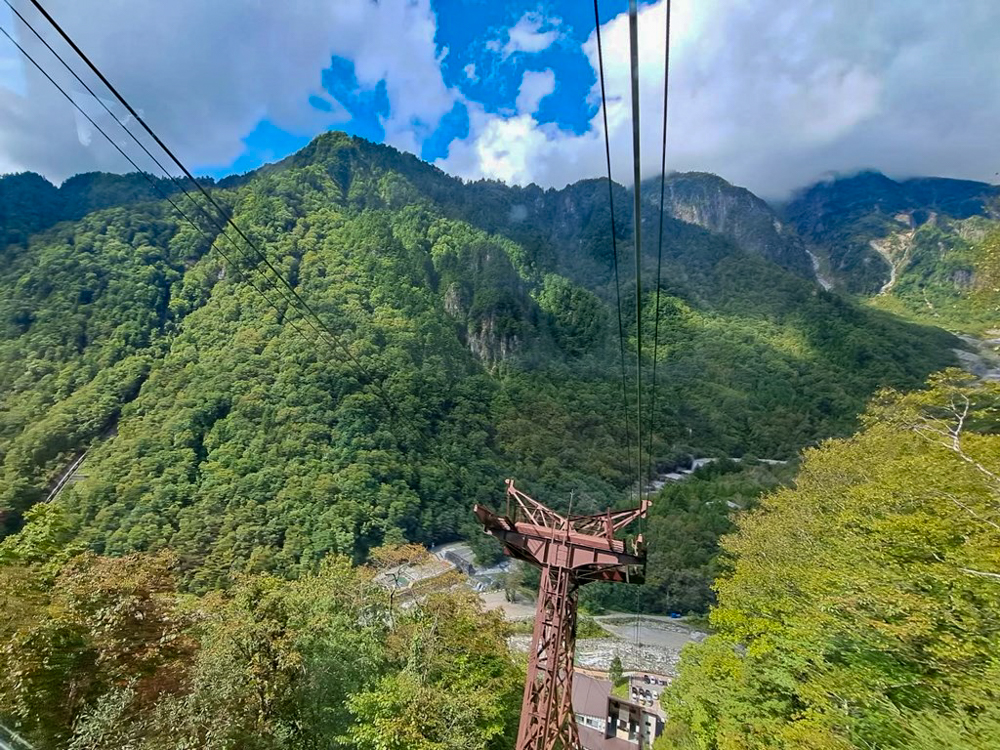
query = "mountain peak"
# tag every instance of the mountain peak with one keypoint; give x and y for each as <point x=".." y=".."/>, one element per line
<point x="711" y="202"/>
<point x="850" y="219"/>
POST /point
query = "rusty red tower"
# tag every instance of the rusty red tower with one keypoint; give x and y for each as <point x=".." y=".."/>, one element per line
<point x="571" y="551"/>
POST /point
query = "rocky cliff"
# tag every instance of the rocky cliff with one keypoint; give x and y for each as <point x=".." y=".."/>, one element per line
<point x="708" y="201"/>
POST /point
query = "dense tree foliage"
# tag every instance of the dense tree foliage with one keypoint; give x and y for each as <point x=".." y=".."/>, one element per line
<point x="685" y="522"/>
<point x="482" y="336"/>
<point x="29" y="203"/>
<point x="104" y="653"/>
<point x="862" y="608"/>
<point x="200" y="581"/>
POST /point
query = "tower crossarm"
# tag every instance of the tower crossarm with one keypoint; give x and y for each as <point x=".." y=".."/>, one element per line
<point x="595" y="556"/>
<point x="521" y="507"/>
<point x="611" y="521"/>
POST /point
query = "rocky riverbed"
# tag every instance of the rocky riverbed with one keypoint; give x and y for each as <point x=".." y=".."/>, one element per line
<point x="657" y="649"/>
<point x="983" y="360"/>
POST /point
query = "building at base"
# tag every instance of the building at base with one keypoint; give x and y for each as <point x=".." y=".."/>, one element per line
<point x="609" y="722"/>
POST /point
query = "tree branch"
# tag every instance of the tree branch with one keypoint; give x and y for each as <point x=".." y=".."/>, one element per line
<point x="981" y="573"/>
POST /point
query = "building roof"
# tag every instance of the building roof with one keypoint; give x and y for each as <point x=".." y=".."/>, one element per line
<point x="590" y="698"/>
<point x="590" y="695"/>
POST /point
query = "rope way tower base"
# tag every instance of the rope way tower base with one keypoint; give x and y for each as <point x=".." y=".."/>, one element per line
<point x="571" y="551"/>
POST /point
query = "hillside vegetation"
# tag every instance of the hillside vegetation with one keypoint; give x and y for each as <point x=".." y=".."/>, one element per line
<point x="104" y="654"/>
<point x="480" y="321"/>
<point x="862" y="606"/>
<point x="924" y="248"/>
<point x="209" y="576"/>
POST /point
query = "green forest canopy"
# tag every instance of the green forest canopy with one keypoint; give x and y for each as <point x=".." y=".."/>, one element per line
<point x="487" y="343"/>
<point x="862" y="606"/>
<point x="200" y="584"/>
<point x="103" y="653"/>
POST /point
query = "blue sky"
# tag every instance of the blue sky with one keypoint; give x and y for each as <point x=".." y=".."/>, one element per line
<point x="467" y="35"/>
<point x="768" y="94"/>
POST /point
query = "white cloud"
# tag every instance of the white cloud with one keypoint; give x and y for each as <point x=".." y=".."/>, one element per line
<point x="11" y="70"/>
<point x="206" y="73"/>
<point x="508" y="147"/>
<point x="535" y="86"/>
<point x="470" y="72"/>
<point x="771" y="95"/>
<point x="767" y="93"/>
<point x="502" y="149"/>
<point x="533" y="33"/>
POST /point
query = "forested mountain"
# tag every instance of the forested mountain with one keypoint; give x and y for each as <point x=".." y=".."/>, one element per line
<point x="482" y="336"/>
<point x="928" y="247"/>
<point x="29" y="203"/>
<point x="202" y="583"/>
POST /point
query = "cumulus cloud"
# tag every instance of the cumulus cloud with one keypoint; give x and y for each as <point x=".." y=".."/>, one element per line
<point x="205" y="74"/>
<point x="766" y="93"/>
<point x="771" y="95"/>
<point x="502" y="149"/>
<point x="533" y="33"/>
<point x="535" y="86"/>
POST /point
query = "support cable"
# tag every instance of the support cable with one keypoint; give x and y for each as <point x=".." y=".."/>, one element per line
<point x="614" y="243"/>
<point x="633" y="29"/>
<point x="152" y="180"/>
<point x="659" y="249"/>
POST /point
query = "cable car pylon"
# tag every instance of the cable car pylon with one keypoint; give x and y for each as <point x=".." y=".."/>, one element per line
<point x="571" y="551"/>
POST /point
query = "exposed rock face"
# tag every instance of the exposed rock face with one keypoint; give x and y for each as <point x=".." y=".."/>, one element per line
<point x="718" y="206"/>
<point x="493" y="345"/>
<point x="492" y="325"/>
<point x="823" y="280"/>
<point x="895" y="249"/>
<point x="569" y="229"/>
<point x="453" y="301"/>
<point x="866" y="224"/>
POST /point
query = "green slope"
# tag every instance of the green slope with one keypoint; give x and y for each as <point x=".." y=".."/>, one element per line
<point x="924" y="248"/>
<point x="859" y="608"/>
<point x="483" y="317"/>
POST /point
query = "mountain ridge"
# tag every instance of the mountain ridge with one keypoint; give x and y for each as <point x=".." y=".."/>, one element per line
<point x="803" y="234"/>
<point x="925" y="248"/>
<point x="486" y="316"/>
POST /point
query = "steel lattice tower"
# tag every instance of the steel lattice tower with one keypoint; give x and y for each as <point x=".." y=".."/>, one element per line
<point x="571" y="551"/>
